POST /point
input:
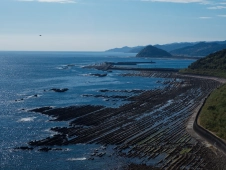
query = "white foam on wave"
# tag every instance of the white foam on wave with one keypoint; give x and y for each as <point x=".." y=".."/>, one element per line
<point x="32" y="96"/>
<point x="77" y="159"/>
<point x="26" y="119"/>
<point x="84" y="74"/>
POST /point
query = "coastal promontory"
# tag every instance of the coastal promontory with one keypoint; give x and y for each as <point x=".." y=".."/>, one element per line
<point x="212" y="65"/>
<point x="151" y="51"/>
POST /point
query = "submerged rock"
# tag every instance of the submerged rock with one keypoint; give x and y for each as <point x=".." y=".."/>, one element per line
<point x="45" y="149"/>
<point x="42" y="109"/>
<point x="24" y="148"/>
<point x="99" y="75"/>
<point x="59" y="90"/>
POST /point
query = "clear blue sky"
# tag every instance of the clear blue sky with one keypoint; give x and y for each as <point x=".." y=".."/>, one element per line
<point x="96" y="25"/>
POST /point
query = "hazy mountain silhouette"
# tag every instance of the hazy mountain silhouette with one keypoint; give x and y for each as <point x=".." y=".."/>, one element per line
<point x="151" y="51"/>
<point x="200" y="49"/>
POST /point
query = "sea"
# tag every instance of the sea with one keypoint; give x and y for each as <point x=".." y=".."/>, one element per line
<point x="26" y="80"/>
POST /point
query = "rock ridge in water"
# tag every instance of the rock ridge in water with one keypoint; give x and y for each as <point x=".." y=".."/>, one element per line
<point x="59" y="90"/>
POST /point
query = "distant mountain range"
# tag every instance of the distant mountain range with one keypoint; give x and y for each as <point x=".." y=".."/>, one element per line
<point x="126" y="49"/>
<point x="200" y="49"/>
<point x="188" y="49"/>
<point x="174" y="46"/>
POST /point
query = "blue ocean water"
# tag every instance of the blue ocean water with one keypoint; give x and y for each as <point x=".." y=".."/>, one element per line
<point x="25" y="82"/>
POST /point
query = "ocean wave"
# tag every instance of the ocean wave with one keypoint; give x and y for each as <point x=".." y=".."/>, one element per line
<point x="77" y="159"/>
<point x="26" y="119"/>
<point x="36" y="95"/>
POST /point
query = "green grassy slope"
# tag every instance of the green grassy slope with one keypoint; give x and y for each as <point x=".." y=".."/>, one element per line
<point x="213" y="113"/>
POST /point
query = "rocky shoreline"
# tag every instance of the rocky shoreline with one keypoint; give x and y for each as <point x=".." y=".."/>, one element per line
<point x="150" y="127"/>
<point x="108" y="66"/>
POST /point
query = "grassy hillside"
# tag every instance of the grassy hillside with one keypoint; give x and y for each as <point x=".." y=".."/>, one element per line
<point x="213" y="65"/>
<point x="213" y="113"/>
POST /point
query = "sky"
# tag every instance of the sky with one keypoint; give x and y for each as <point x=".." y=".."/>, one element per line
<point x="97" y="25"/>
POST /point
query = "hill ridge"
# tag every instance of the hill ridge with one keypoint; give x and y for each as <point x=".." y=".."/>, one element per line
<point x="151" y="51"/>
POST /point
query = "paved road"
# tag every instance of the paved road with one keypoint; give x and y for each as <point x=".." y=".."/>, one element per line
<point x="191" y="121"/>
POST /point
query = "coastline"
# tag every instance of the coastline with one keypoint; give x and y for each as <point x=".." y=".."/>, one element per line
<point x="194" y="117"/>
<point x="108" y="66"/>
<point x="208" y="138"/>
<point x="108" y="117"/>
<point x="151" y="125"/>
